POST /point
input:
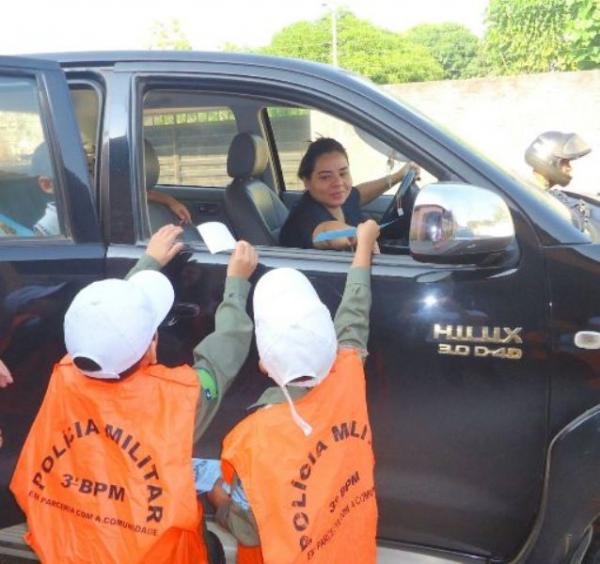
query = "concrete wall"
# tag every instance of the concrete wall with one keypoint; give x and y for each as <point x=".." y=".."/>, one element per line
<point x="501" y="116"/>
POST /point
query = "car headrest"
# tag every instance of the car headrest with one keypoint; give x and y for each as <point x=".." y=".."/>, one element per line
<point x="151" y="165"/>
<point x="248" y="156"/>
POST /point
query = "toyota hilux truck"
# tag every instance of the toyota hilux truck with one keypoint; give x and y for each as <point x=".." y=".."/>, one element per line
<point x="484" y="352"/>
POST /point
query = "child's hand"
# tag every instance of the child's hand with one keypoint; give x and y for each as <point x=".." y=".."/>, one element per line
<point x="5" y="377"/>
<point x="243" y="260"/>
<point x="180" y="211"/>
<point x="163" y="246"/>
<point x="367" y="233"/>
<point x="366" y="237"/>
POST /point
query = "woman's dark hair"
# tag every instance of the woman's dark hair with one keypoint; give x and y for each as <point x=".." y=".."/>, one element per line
<point x="319" y="147"/>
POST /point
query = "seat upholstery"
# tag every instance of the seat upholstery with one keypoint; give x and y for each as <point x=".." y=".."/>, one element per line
<point x="159" y="214"/>
<point x="254" y="210"/>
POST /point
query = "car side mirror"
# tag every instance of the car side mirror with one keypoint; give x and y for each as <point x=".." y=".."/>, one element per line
<point x="455" y="223"/>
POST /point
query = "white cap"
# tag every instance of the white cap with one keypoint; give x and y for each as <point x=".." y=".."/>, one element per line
<point x="295" y="335"/>
<point x="112" y="322"/>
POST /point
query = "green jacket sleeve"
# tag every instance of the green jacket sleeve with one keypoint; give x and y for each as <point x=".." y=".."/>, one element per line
<point x="352" y="317"/>
<point x="145" y="262"/>
<point x="220" y="355"/>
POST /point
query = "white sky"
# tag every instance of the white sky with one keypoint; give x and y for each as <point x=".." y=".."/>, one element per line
<point x="32" y="26"/>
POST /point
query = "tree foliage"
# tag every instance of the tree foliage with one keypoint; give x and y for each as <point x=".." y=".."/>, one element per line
<point x="453" y="46"/>
<point x="542" y="35"/>
<point x="381" y="55"/>
<point x="169" y="35"/>
<point x="582" y="33"/>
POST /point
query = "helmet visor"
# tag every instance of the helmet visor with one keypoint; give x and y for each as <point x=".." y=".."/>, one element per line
<point x="574" y="147"/>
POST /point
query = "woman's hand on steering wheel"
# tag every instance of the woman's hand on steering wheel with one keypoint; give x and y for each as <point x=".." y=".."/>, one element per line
<point x="410" y="173"/>
<point x="408" y="166"/>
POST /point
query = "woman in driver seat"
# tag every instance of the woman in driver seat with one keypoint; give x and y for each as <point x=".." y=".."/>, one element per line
<point x="331" y="202"/>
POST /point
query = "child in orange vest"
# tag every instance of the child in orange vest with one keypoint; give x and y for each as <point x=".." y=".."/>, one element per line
<point x="301" y="475"/>
<point x="105" y="474"/>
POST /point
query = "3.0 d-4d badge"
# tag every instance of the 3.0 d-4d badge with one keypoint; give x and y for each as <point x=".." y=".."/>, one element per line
<point x="478" y="334"/>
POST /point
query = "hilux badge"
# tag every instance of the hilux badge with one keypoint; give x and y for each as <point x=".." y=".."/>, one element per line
<point x="483" y="336"/>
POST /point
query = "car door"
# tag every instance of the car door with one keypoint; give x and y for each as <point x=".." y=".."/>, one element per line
<point x="460" y="439"/>
<point x="50" y="243"/>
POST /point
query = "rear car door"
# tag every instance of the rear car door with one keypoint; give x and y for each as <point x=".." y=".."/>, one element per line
<point x="50" y="243"/>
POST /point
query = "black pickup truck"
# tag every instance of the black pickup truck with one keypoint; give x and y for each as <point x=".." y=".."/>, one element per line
<point x="484" y="364"/>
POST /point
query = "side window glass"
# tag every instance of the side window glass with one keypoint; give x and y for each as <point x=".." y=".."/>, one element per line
<point x="191" y="144"/>
<point x="294" y="128"/>
<point x="28" y="180"/>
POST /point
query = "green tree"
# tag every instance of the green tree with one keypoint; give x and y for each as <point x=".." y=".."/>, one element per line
<point x="168" y="35"/>
<point x="381" y="55"/>
<point x="583" y="33"/>
<point x="542" y="35"/>
<point x="453" y="46"/>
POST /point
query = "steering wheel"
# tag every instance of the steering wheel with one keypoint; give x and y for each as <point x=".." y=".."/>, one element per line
<point x="404" y="198"/>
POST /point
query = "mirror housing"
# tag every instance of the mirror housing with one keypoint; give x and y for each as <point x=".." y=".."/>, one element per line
<point x="454" y="223"/>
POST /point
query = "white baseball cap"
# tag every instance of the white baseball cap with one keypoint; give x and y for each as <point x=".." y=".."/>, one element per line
<point x="295" y="335"/>
<point x="112" y="322"/>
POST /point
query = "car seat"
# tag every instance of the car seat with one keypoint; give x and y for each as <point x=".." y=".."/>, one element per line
<point x="254" y="210"/>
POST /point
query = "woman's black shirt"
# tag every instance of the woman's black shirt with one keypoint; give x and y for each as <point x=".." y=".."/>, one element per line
<point x="308" y="213"/>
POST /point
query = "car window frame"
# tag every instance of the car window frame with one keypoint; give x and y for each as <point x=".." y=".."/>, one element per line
<point x="95" y="82"/>
<point x="172" y="76"/>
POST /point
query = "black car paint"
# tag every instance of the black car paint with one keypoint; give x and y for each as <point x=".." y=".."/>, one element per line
<point x="31" y="336"/>
<point x="461" y="443"/>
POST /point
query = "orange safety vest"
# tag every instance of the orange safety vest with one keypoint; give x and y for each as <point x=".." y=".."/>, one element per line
<point x="313" y="497"/>
<point x="105" y="474"/>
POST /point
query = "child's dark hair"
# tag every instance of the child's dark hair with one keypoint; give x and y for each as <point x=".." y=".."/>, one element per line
<point x="318" y="147"/>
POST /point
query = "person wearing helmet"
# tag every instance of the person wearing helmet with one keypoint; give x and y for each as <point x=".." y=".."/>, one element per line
<point x="550" y="155"/>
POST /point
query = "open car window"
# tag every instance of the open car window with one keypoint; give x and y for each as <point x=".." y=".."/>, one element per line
<point x="369" y="159"/>
<point x="187" y="139"/>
